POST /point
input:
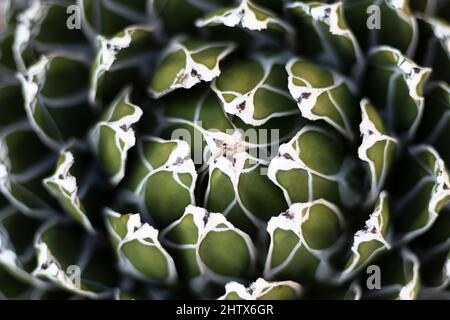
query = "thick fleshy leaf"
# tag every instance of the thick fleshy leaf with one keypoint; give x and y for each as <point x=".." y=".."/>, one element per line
<point x="119" y="61"/>
<point x="255" y="89"/>
<point x="394" y="84"/>
<point x="371" y="240"/>
<point x="423" y="193"/>
<point x="163" y="163"/>
<point x="435" y="126"/>
<point x="233" y="175"/>
<point x="187" y="62"/>
<point x="70" y="259"/>
<point x="228" y="114"/>
<point x="181" y="238"/>
<point x="314" y="165"/>
<point x="112" y="136"/>
<point x="262" y="290"/>
<point x="192" y="115"/>
<point x="64" y="187"/>
<point x="323" y="95"/>
<point x="167" y="12"/>
<point x="373" y="22"/>
<point x="325" y="35"/>
<point x="235" y="160"/>
<point x="24" y="162"/>
<point x="202" y="241"/>
<point x="246" y="15"/>
<point x="434" y="47"/>
<point x="301" y="241"/>
<point x="57" y="110"/>
<point x="433" y="250"/>
<point x="197" y="115"/>
<point x="108" y="17"/>
<point x="44" y="27"/>
<point x="378" y="148"/>
<point x="435" y="274"/>
<point x="138" y="249"/>
<point x="400" y="277"/>
<point x="16" y="243"/>
<point x="436" y="238"/>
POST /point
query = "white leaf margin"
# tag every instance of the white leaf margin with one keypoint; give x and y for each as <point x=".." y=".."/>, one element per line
<point x="294" y="223"/>
<point x="319" y="13"/>
<point x="137" y="230"/>
<point x="280" y="163"/>
<point x="10" y="261"/>
<point x="53" y="271"/>
<point x="7" y="178"/>
<point x="247" y="98"/>
<point x="66" y="185"/>
<point x="126" y="136"/>
<point x="371" y="232"/>
<point x="412" y="74"/>
<point x="178" y="162"/>
<point x="307" y="105"/>
<point x="108" y="49"/>
<point x="212" y="221"/>
<point x="440" y="192"/>
<point x="258" y="288"/>
<point x="244" y="16"/>
<point x="31" y="81"/>
<point x="186" y="77"/>
<point x="371" y="136"/>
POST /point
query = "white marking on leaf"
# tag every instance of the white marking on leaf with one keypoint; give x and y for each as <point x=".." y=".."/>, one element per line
<point x="178" y="162"/>
<point x="292" y="220"/>
<point x="205" y="223"/>
<point x="193" y="72"/>
<point x="410" y="289"/>
<point x="329" y="14"/>
<point x="258" y="289"/>
<point x="124" y="134"/>
<point x="67" y="188"/>
<point x="146" y="235"/>
<point x="243" y="16"/>
<point x="373" y="231"/>
<point x="288" y="158"/>
<point x="440" y="191"/>
<point x="371" y="136"/>
<point x="412" y="75"/>
<point x="246" y="99"/>
<point x="307" y="96"/>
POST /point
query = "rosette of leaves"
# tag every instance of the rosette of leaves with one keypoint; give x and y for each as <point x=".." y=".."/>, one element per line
<point x="226" y="149"/>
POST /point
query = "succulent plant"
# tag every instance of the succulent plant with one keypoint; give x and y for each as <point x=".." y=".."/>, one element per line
<point x="248" y="149"/>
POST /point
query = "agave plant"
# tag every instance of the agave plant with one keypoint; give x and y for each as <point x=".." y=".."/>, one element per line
<point x="232" y="149"/>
